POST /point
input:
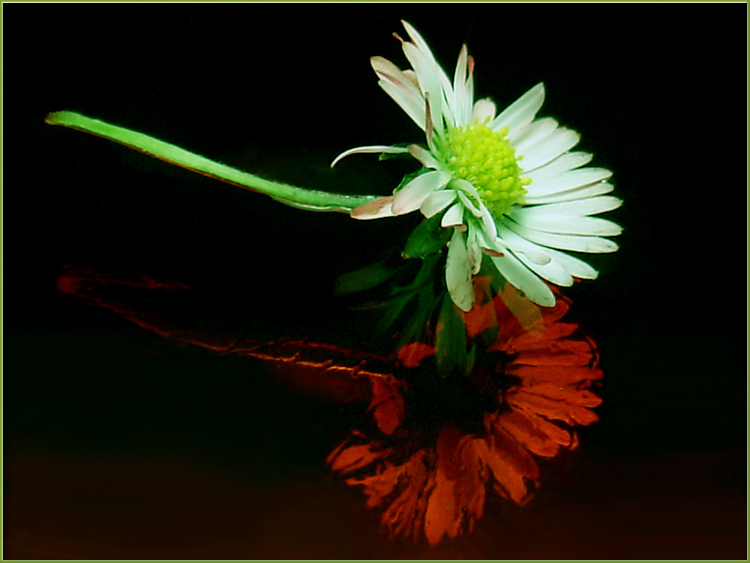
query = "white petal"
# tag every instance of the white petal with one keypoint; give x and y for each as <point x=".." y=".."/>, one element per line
<point x="458" y="272"/>
<point x="421" y="44"/>
<point x="533" y="256"/>
<point x="494" y="247"/>
<point x="521" y="112"/>
<point x="559" y="142"/>
<point x="475" y="253"/>
<point x="563" y="163"/>
<point x="415" y="192"/>
<point x="566" y="224"/>
<point x="572" y="195"/>
<point x="412" y="105"/>
<point x="484" y="110"/>
<point x="374" y="210"/>
<point x="488" y="221"/>
<point x="468" y="204"/>
<point x="436" y="202"/>
<point x="519" y="245"/>
<point x="589" y="206"/>
<point x="542" y="255"/>
<point x="575" y="267"/>
<point x="565" y="242"/>
<point x="523" y="279"/>
<point x="567" y="181"/>
<point x="370" y="149"/>
<point x="423" y="156"/>
<point x="463" y="187"/>
<point x="532" y="134"/>
<point x="552" y="271"/>
<point x="454" y="216"/>
<point x="428" y="76"/>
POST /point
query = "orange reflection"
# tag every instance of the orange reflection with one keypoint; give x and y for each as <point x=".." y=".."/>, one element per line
<point x="430" y="482"/>
<point x="436" y="446"/>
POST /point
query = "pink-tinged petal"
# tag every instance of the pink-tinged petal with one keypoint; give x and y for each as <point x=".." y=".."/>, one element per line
<point x="377" y="149"/>
<point x="436" y="202"/>
<point x="416" y="191"/>
<point x="423" y="156"/>
<point x="521" y="112"/>
<point x="375" y="209"/>
<point x="496" y="247"/>
<point x="461" y="95"/>
<point x="413" y="106"/>
<point x="458" y="272"/>
<point x="421" y="44"/>
<point x="470" y="85"/>
<point x="401" y="86"/>
<point x="429" y="82"/>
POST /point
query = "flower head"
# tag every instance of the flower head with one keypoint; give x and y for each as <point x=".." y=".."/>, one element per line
<point x="506" y="183"/>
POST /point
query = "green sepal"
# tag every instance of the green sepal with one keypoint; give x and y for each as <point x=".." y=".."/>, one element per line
<point x="450" y="340"/>
<point x="428" y="238"/>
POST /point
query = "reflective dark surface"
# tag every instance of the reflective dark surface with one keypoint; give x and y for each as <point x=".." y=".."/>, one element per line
<point x="121" y="444"/>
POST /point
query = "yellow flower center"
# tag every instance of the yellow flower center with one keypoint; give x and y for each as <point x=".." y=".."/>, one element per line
<point x="485" y="158"/>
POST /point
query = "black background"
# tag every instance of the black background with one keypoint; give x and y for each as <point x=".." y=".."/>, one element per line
<point x="121" y="444"/>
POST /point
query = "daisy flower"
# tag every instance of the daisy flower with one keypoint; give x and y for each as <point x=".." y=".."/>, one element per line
<point x="507" y="184"/>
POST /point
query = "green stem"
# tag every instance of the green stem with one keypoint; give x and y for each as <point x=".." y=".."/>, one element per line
<point x="290" y="195"/>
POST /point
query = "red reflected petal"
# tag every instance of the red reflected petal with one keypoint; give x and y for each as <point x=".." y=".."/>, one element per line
<point x="457" y="500"/>
<point x="387" y="403"/>
<point x="565" y="404"/>
<point x="411" y="354"/>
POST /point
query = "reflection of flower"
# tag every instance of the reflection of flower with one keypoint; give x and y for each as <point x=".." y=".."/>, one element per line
<point x="507" y="183"/>
<point x="431" y="482"/>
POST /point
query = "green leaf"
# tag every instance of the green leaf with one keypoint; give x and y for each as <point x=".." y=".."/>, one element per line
<point x="428" y="238"/>
<point x="364" y="278"/>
